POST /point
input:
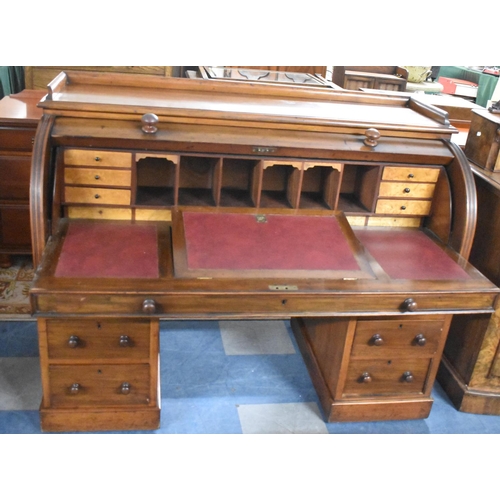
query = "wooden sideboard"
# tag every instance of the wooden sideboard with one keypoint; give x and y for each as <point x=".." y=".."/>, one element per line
<point x="152" y="198"/>
<point x="19" y="117"/>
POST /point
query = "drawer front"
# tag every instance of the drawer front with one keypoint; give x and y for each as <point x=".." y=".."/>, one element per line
<point x="403" y="207"/>
<point x="15" y="228"/>
<point x="15" y="172"/>
<point x="99" y="196"/>
<point x="73" y="386"/>
<point x="98" y="177"/>
<point x="392" y="337"/>
<point x="93" y="339"/>
<point x="97" y="158"/>
<point x="406" y="190"/>
<point x="410" y="174"/>
<point x="17" y="139"/>
<point x="100" y="213"/>
<point x="386" y="377"/>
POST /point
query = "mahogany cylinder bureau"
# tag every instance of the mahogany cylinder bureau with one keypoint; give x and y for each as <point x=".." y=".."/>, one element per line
<point x="153" y="198"/>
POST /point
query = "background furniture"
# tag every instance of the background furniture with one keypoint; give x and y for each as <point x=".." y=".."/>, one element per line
<point x="372" y="77"/>
<point x="486" y="83"/>
<point x="11" y="80"/>
<point x="470" y="369"/>
<point x="144" y="211"/>
<point x="38" y="77"/>
<point x="19" y="117"/>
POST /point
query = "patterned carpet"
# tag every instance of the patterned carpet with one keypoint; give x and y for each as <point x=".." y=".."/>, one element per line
<point x="15" y="283"/>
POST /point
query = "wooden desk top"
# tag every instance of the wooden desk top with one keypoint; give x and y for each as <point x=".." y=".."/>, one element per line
<point x="240" y="103"/>
<point x="22" y="107"/>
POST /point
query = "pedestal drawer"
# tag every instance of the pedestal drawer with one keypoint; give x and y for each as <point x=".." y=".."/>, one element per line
<point x="98" y="339"/>
<point x="98" y="177"/>
<point x="394" y="337"/>
<point x="386" y="377"/>
<point x="73" y="386"/>
<point x="411" y="174"/>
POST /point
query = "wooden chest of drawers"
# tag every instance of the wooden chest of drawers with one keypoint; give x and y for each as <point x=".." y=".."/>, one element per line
<point x="19" y="118"/>
<point x="91" y="367"/>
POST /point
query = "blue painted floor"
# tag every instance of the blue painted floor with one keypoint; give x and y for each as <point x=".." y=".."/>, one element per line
<point x="230" y="377"/>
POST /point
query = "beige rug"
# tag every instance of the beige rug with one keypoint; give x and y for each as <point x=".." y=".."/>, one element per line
<point x="15" y="283"/>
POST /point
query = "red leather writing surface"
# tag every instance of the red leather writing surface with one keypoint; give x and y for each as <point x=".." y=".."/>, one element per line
<point x="109" y="250"/>
<point x="238" y="241"/>
<point x="409" y="254"/>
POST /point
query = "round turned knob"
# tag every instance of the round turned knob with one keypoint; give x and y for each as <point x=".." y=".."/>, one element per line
<point x="149" y="306"/>
<point x="125" y="388"/>
<point x="407" y="377"/>
<point x="366" y="378"/>
<point x="75" y="388"/>
<point x="372" y="137"/>
<point x="407" y="190"/>
<point x="411" y="176"/>
<point x="149" y="122"/>
<point x="377" y="339"/>
<point x="420" y="339"/>
<point x="403" y="207"/>
<point x="97" y="158"/>
<point x="97" y="196"/>
<point x="97" y="177"/>
<point x="409" y="305"/>
<point x="124" y="341"/>
<point x="73" y="341"/>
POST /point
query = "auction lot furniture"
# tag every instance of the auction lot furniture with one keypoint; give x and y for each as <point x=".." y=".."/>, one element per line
<point x="470" y="370"/>
<point x="19" y="118"/>
<point x="157" y="198"/>
<point x="371" y="77"/>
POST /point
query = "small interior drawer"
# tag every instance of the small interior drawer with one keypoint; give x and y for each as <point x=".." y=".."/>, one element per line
<point x="406" y="190"/>
<point x="410" y="174"/>
<point x="98" y="177"/>
<point x="101" y="196"/>
<point x="403" y="207"/>
<point x="97" y="158"/>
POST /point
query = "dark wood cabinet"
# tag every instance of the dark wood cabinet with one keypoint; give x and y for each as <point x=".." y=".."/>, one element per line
<point x="19" y="118"/>
<point x="351" y="215"/>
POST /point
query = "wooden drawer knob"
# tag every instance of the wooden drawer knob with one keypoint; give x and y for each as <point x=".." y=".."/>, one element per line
<point x="124" y="341"/>
<point x="420" y="339"/>
<point x="149" y="306"/>
<point x="149" y="122"/>
<point x="73" y="341"/>
<point x="125" y="388"/>
<point x="407" y="377"/>
<point x="372" y="137"/>
<point x="377" y="339"/>
<point x="366" y="378"/>
<point x="75" y="388"/>
<point x="409" y="305"/>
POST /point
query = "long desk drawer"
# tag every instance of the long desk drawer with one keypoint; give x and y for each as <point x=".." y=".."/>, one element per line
<point x="193" y="305"/>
